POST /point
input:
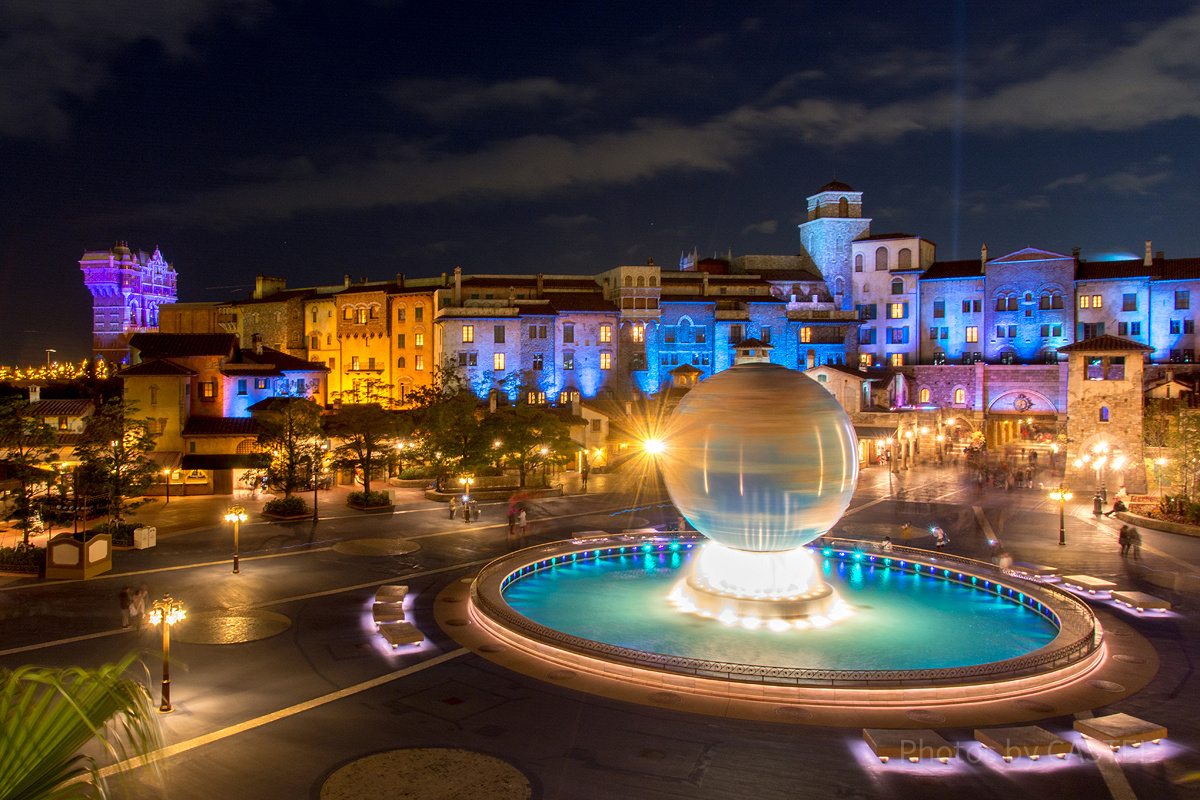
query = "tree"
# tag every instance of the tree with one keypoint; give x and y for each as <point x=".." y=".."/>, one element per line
<point x="531" y="437"/>
<point x="113" y="448"/>
<point x="47" y="715"/>
<point x="26" y="443"/>
<point x="291" y="433"/>
<point x="446" y="422"/>
<point x="365" y="432"/>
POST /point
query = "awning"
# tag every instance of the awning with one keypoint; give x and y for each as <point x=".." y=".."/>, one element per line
<point x="874" y="432"/>
<point x="223" y="460"/>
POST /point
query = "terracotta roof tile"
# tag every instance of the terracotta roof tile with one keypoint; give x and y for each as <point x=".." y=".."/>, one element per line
<point x="1106" y="343"/>
<point x="220" y="426"/>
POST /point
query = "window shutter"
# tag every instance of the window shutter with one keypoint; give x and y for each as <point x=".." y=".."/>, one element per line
<point x="906" y="311"/>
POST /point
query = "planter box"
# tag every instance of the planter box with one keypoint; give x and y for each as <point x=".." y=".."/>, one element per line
<point x="288" y="518"/>
<point x="71" y="558"/>
<point x="373" y="509"/>
<point x="20" y="569"/>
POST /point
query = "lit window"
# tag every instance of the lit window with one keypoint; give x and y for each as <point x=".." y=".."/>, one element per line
<point x="418" y="340"/>
<point x="537" y="361"/>
<point x="605" y="334"/>
<point x="353" y="362"/>
<point x="419" y="361"/>
<point x="806" y="335"/>
<point x="972" y="334"/>
<point x="864" y="359"/>
<point x="1085" y="301"/>
<point x="568" y="361"/>
<point x="361" y="316"/>
<point x="639" y="333"/>
<point x="1097" y="301"/>
<point x="498" y="361"/>
<point x="897" y="310"/>
<point x="897" y="359"/>
<point x="605" y="360"/>
<point x="260" y="383"/>
<point x="348" y="313"/>
<point x="468" y="333"/>
<point x="960" y="396"/>
<point x="924" y="396"/>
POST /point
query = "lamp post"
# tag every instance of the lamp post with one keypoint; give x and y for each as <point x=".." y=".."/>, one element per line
<point x="1062" y="496"/>
<point x="167" y="481"/>
<point x="48" y="352"/>
<point x="166" y="612"/>
<point x="1159" y="463"/>
<point x="236" y="515"/>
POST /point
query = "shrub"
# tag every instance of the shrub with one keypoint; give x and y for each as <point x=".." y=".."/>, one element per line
<point x="23" y="555"/>
<point x="293" y="506"/>
<point x="122" y="532"/>
<point x="369" y="499"/>
<point x="413" y="473"/>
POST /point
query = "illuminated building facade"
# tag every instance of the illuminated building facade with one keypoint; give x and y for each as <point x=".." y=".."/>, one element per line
<point x="127" y="289"/>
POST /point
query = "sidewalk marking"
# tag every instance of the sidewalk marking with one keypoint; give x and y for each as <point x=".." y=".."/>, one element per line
<point x="283" y="713"/>
<point x="987" y="526"/>
<point x="1110" y="769"/>
<point x="72" y="640"/>
<point x="342" y="589"/>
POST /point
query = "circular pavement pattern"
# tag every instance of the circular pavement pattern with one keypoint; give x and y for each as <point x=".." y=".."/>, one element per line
<point x="233" y="626"/>
<point x="375" y="547"/>
<point x="1034" y="705"/>
<point x="427" y="774"/>
<point x="792" y="712"/>
<point x="1106" y="686"/>
<point x="921" y="715"/>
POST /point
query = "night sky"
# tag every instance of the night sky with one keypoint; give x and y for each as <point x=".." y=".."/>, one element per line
<point x="311" y="139"/>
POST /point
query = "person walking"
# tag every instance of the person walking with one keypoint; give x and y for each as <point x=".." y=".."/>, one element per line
<point x="453" y="505"/>
<point x="906" y="531"/>
<point x="940" y="539"/>
<point x="512" y="522"/>
<point x="124" y="600"/>
<point x="466" y="509"/>
<point x="523" y="523"/>
<point x="137" y="608"/>
<point x="1123" y="540"/>
<point x="1135" y="542"/>
<point x="583" y="476"/>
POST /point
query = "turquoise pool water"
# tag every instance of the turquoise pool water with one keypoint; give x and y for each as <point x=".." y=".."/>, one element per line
<point x="901" y="620"/>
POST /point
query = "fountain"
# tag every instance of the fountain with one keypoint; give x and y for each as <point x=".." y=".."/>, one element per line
<point x="763" y="605"/>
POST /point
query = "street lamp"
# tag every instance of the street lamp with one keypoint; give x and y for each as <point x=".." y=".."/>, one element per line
<point x="1062" y="497"/>
<point x="1159" y="463"/>
<point x="236" y="515"/>
<point x="167" y="612"/>
<point x="48" y="352"/>
<point x="167" y="481"/>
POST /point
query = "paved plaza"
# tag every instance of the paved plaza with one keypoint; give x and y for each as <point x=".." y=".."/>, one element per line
<point x="282" y="689"/>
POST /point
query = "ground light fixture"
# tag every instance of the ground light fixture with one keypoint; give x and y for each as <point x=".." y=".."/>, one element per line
<point x="166" y="612"/>
<point x="236" y="515"/>
<point x="167" y="481"/>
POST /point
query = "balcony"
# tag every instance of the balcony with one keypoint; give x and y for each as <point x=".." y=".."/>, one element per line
<point x="732" y="315"/>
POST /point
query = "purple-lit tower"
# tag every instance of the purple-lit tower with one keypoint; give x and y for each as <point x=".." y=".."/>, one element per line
<point x="127" y="289"/>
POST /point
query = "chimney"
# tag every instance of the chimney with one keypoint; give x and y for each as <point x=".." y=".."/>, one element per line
<point x="456" y="300"/>
<point x="1161" y="255"/>
<point x="35" y="393"/>
<point x="363" y="280"/>
<point x="704" y="284"/>
<point x="607" y="288"/>
<point x="577" y="407"/>
<point x="1146" y="261"/>
<point x="540" y="284"/>
<point x="346" y="280"/>
<point x="1075" y="253"/>
<point x="982" y="258"/>
<point x="400" y="279"/>
<point x="256" y="340"/>
<point x="650" y="261"/>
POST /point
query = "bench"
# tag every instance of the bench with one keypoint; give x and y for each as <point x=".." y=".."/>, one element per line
<point x="1025" y="740"/>
<point x="391" y="594"/>
<point x="1086" y="583"/>
<point x="398" y="633"/>
<point x="1141" y="601"/>
<point x="1034" y="570"/>
<point x="913" y="745"/>
<point x="387" y="612"/>
<point x="1118" y="729"/>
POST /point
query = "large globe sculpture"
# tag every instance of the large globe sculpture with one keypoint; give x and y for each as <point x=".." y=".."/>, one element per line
<point x="761" y="457"/>
<point x="762" y="460"/>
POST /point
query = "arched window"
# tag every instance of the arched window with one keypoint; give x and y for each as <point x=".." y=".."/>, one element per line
<point x="629" y="280"/>
<point x="905" y="258"/>
<point x="246" y="446"/>
<point x="960" y="396"/>
<point x="653" y="281"/>
<point x="881" y="259"/>
<point x="858" y="263"/>
<point x="1103" y="413"/>
<point x="400" y="362"/>
<point x="400" y="313"/>
<point x="897" y="286"/>
<point x="924" y="395"/>
<point x="641" y="281"/>
<point x="843" y="207"/>
<point x="839" y="286"/>
<point x="314" y="343"/>
<point x="314" y="315"/>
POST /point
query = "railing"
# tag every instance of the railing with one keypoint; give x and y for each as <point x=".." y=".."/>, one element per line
<point x="1078" y="635"/>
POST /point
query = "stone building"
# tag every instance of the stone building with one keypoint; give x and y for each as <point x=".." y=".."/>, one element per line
<point x="127" y="289"/>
